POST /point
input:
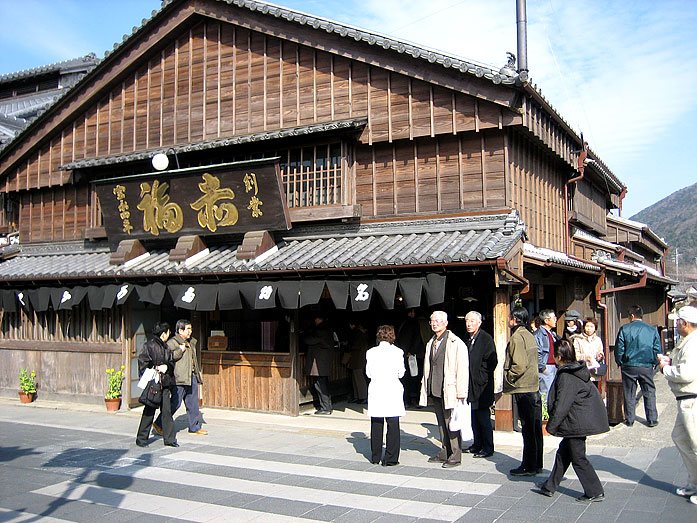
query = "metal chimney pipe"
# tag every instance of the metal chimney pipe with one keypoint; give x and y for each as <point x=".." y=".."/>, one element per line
<point x="522" y="32"/>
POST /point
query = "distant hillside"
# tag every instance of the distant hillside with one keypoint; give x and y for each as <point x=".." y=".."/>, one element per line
<point x="674" y="218"/>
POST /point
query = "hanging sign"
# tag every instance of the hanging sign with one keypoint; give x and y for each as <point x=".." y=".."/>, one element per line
<point x="230" y="198"/>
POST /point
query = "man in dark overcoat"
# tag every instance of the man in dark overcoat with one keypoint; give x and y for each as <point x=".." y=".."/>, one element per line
<point x="482" y="362"/>
<point x="319" y="343"/>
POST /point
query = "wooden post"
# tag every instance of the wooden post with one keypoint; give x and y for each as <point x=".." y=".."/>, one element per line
<point x="502" y="312"/>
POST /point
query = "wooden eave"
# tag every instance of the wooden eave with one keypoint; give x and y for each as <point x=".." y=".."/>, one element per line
<point x="436" y="74"/>
<point x="567" y="152"/>
<point x="649" y="239"/>
<point x="166" y="23"/>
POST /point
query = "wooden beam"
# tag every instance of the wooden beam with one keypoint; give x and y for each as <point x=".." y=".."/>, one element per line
<point x="254" y="244"/>
<point x="186" y="247"/>
<point x="126" y="251"/>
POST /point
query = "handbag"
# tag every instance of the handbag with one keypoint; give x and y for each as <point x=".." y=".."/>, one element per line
<point x="600" y="370"/>
<point x="152" y="394"/>
<point x="413" y="366"/>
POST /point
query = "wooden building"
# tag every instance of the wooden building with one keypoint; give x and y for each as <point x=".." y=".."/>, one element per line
<point x="389" y="176"/>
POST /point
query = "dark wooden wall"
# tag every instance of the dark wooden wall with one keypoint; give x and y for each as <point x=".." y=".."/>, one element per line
<point x="449" y="173"/>
<point x="69" y="350"/>
<point x="536" y="189"/>
<point x="590" y="206"/>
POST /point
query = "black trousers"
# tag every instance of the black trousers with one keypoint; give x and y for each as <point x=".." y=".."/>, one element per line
<point x="482" y="430"/>
<point x="451" y="442"/>
<point x="167" y="421"/>
<point x="573" y="451"/>
<point x="321" y="386"/>
<point x="392" y="445"/>
<point x="644" y="377"/>
<point x="530" y="414"/>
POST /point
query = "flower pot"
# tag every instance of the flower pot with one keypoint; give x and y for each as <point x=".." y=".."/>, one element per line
<point x="26" y="397"/>
<point x="112" y="404"/>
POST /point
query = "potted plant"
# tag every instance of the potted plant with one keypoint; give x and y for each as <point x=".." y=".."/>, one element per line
<point x="112" y="399"/>
<point x="545" y="414"/>
<point x="27" y="386"/>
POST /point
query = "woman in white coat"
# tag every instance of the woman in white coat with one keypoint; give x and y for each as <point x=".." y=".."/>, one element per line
<point x="384" y="367"/>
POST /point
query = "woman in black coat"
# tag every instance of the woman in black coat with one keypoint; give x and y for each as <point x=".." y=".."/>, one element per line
<point x="576" y="410"/>
<point x="156" y="354"/>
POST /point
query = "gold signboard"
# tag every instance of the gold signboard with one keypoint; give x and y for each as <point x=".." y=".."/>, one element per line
<point x="230" y="198"/>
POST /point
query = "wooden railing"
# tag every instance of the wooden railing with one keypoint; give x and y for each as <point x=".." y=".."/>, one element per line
<point x="313" y="187"/>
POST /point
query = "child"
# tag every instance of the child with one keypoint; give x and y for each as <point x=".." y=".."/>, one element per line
<point x="575" y="411"/>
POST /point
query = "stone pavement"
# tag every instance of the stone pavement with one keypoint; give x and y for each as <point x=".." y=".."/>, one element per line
<point x="265" y="467"/>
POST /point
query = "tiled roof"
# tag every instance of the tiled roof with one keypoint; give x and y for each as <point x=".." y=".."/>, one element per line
<point x="381" y="246"/>
<point x="304" y="130"/>
<point x="599" y="262"/>
<point x="557" y="258"/>
<point x="376" y="39"/>
<point x="65" y="66"/>
<point x="17" y="113"/>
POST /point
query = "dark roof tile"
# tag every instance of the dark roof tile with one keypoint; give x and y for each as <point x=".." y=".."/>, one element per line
<point x="306" y="248"/>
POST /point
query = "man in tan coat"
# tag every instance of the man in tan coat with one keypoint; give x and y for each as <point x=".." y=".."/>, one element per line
<point x="681" y="373"/>
<point x="445" y="382"/>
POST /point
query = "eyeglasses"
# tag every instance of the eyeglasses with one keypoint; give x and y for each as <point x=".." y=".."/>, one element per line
<point x="436" y="321"/>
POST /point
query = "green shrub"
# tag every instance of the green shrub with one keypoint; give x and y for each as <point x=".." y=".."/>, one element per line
<point x="27" y="381"/>
<point x="114" y="379"/>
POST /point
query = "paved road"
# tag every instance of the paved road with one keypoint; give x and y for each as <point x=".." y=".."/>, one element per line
<point x="63" y="463"/>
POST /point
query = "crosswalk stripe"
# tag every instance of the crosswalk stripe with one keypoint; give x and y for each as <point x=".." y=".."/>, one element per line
<point x="384" y="504"/>
<point x="18" y="517"/>
<point x="318" y="471"/>
<point x="158" y="505"/>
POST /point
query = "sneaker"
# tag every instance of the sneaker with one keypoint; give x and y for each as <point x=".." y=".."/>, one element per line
<point x="593" y="499"/>
<point x="541" y="489"/>
<point x="520" y="471"/>
<point x="157" y="429"/>
<point x="686" y="491"/>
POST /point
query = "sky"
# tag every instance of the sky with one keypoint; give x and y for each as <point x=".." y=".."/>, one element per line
<point x="622" y="72"/>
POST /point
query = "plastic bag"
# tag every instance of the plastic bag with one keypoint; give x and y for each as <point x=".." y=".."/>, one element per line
<point x="413" y="366"/>
<point x="461" y="420"/>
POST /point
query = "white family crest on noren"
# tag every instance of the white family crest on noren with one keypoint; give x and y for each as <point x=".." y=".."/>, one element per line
<point x="189" y="295"/>
<point x="122" y="292"/>
<point x="66" y="296"/>
<point x="20" y="297"/>
<point x="361" y="294"/>
<point x="265" y="292"/>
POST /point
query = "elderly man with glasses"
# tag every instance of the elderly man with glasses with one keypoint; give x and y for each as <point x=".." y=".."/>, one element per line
<point x="445" y="382"/>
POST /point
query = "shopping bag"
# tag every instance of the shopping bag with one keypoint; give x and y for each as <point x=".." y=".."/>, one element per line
<point x="149" y="374"/>
<point x="461" y="420"/>
<point x="413" y="366"/>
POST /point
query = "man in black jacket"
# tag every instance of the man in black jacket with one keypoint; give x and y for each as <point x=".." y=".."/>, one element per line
<point x="482" y="363"/>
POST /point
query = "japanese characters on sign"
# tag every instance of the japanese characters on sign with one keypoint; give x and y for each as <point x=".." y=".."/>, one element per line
<point x="221" y="199"/>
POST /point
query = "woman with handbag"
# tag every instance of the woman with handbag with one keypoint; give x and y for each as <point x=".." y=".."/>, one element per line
<point x="385" y="366"/>
<point x="576" y="411"/>
<point x="589" y="349"/>
<point x="156" y="355"/>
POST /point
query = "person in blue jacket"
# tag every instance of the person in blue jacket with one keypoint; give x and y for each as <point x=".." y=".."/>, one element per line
<point x="636" y="349"/>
